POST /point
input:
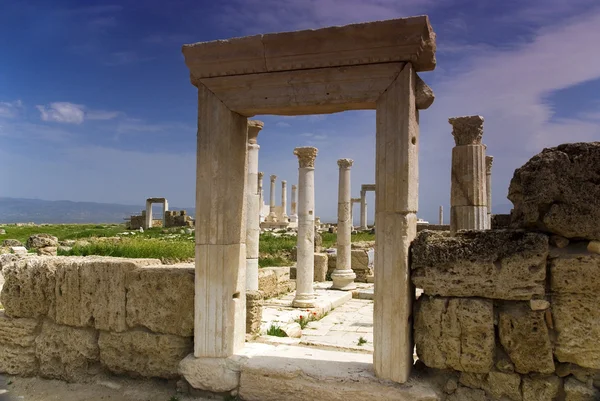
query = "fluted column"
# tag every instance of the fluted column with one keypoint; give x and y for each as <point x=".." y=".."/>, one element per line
<point x="261" y="195"/>
<point x="305" y="265"/>
<point x="294" y="211"/>
<point x="272" y="217"/>
<point x="284" y="216"/>
<point x="468" y="195"/>
<point x="252" y="207"/>
<point x="363" y="210"/>
<point x="343" y="276"/>
<point x="489" y="160"/>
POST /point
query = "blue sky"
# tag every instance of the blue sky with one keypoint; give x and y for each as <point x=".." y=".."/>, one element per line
<point x="96" y="103"/>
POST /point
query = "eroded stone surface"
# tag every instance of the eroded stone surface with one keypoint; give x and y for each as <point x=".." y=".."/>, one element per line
<point x="577" y="391"/>
<point x="496" y="384"/>
<point x="66" y="353"/>
<point x="540" y="388"/>
<point x="454" y="333"/>
<point x="557" y="191"/>
<point x="161" y="298"/>
<point x="575" y="274"/>
<point x="321" y="261"/>
<point x="254" y="307"/>
<point x="139" y="353"/>
<point x="37" y="241"/>
<point x="17" y="345"/>
<point x="499" y="264"/>
<point x="524" y="336"/>
<point x="467" y="130"/>
<point x="211" y="374"/>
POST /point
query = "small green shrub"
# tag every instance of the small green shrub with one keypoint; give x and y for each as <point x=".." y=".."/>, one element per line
<point x="275" y="330"/>
<point x="361" y="341"/>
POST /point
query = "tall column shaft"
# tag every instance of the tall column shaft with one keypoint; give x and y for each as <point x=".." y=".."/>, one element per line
<point x="148" y="215"/>
<point x="396" y="205"/>
<point x="305" y="266"/>
<point x="272" y="217"/>
<point x="261" y="195"/>
<point x="363" y="210"/>
<point x="284" y="215"/>
<point x="164" y="212"/>
<point x="252" y="207"/>
<point x="441" y="217"/>
<point x="294" y="210"/>
<point x="343" y="276"/>
<point x="220" y="279"/>
<point x="489" y="160"/>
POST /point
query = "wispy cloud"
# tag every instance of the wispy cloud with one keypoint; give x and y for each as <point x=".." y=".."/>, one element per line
<point x="71" y="113"/>
<point x="102" y="115"/>
<point x="10" y="109"/>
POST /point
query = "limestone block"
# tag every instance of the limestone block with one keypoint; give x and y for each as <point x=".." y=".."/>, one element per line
<point x="577" y="391"/>
<point x="211" y="374"/>
<point x="558" y="241"/>
<point x="543" y="388"/>
<point x="557" y="191"/>
<point x="575" y="273"/>
<point x="577" y="324"/>
<point x="11" y="242"/>
<point x="360" y="265"/>
<point x="524" y="335"/>
<point x="320" y="267"/>
<point x="499" y="264"/>
<point x="66" y="353"/>
<point x="254" y="307"/>
<point x="37" y="241"/>
<point x="17" y="345"/>
<point x="28" y="289"/>
<point x="594" y="246"/>
<point x="467" y="394"/>
<point x="496" y="384"/>
<point x="273" y="281"/>
<point x="454" y="333"/>
<point x="140" y="353"/>
<point x="47" y="251"/>
<point x="161" y="298"/>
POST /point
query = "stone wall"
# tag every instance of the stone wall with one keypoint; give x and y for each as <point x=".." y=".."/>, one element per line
<point x="178" y="218"/>
<point x="275" y="281"/>
<point x="73" y="318"/>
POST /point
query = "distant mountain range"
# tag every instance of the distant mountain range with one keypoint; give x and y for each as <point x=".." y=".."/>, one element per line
<point x="20" y="210"/>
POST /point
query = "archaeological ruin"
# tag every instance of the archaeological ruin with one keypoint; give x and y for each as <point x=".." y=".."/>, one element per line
<point x="487" y="308"/>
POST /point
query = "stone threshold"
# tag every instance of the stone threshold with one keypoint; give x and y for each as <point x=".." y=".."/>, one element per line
<point x="264" y="372"/>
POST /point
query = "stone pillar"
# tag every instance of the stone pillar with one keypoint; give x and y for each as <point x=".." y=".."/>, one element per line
<point x="396" y="206"/>
<point x="441" y="215"/>
<point x="294" y="212"/>
<point x="252" y="207"/>
<point x="363" y="210"/>
<point x="165" y="209"/>
<point x="261" y="195"/>
<point x="468" y="201"/>
<point x="220" y="280"/>
<point x="272" y="217"/>
<point x="148" y="214"/>
<point x="489" y="160"/>
<point x="305" y="265"/>
<point x="284" y="216"/>
<point x="343" y="276"/>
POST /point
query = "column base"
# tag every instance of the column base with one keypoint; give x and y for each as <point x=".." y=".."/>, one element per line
<point x="294" y="218"/>
<point x="271" y="218"/>
<point x="304" y="301"/>
<point x="343" y="280"/>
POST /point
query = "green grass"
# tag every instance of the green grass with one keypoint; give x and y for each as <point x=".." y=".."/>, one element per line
<point x="62" y="231"/>
<point x="361" y="341"/>
<point x="275" y="330"/>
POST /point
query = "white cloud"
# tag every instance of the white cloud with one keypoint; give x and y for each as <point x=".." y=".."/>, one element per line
<point x="10" y="109"/>
<point x="101" y="115"/>
<point x="62" y="112"/>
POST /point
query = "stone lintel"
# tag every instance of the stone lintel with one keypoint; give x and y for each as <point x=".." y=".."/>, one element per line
<point x="467" y="130"/>
<point x="156" y="200"/>
<point x="398" y="40"/>
<point x="367" y="187"/>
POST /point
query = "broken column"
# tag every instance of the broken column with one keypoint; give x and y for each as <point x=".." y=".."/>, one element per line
<point x="343" y="276"/>
<point x="252" y="207"/>
<point x="468" y="201"/>
<point x="284" y="216"/>
<point x="294" y="213"/>
<point x="165" y="209"/>
<point x="305" y="294"/>
<point x="489" y="160"/>
<point x="363" y="210"/>
<point x="272" y="217"/>
<point x="261" y="195"/>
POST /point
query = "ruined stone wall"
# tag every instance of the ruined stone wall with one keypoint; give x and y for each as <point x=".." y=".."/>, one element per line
<point x="73" y="318"/>
<point x="178" y="218"/>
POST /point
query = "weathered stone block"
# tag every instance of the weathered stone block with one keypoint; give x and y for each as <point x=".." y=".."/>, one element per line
<point x="577" y="324"/>
<point x="499" y="264"/>
<point x="575" y="273"/>
<point x="320" y="272"/>
<point x="496" y="384"/>
<point x="577" y="391"/>
<point x="66" y="353"/>
<point x="28" y="289"/>
<point x="454" y="333"/>
<point x="17" y="345"/>
<point x="540" y="388"/>
<point x="161" y="298"/>
<point x="254" y="307"/>
<point x="37" y="241"/>
<point x="273" y="281"/>
<point x="360" y="265"/>
<point x="467" y="394"/>
<point x="139" y="353"/>
<point x="524" y="336"/>
<point x="557" y="191"/>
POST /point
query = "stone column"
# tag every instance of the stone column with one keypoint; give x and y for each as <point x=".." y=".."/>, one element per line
<point x="220" y="279"/>
<point x="272" y="217"/>
<point x="165" y="209"/>
<point x="261" y="195"/>
<point x="284" y="216"/>
<point x="489" y="160"/>
<point x="252" y="207"/>
<point x="441" y="215"/>
<point x="294" y="212"/>
<point x="343" y="276"/>
<point x="396" y="206"/>
<point x="148" y="215"/>
<point x="468" y="201"/>
<point x="305" y="265"/>
<point x="363" y="210"/>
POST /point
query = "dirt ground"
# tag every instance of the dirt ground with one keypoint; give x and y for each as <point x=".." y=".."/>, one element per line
<point x="111" y="389"/>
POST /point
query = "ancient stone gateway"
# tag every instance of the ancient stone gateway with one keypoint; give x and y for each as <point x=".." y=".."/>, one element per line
<point x="363" y="204"/>
<point x="355" y="67"/>
<point x="149" y="203"/>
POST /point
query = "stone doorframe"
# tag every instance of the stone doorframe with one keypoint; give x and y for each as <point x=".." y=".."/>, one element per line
<point x="149" y="203"/>
<point x="354" y="67"/>
<point x="364" y="188"/>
